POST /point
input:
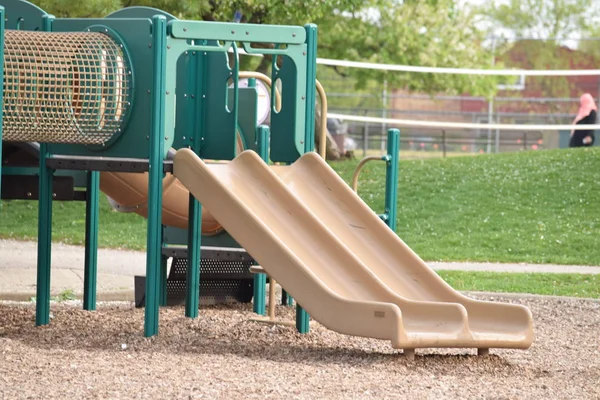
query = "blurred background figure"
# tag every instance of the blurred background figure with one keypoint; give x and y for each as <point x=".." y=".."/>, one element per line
<point x="587" y="115"/>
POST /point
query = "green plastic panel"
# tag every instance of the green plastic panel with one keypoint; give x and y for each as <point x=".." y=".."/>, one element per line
<point x="186" y="114"/>
<point x="287" y="125"/>
<point x="237" y="32"/>
<point x="248" y="114"/>
<point x="23" y="15"/>
<point x="136" y="34"/>
<point x="217" y="139"/>
<point x="206" y="84"/>
<point x="217" y="129"/>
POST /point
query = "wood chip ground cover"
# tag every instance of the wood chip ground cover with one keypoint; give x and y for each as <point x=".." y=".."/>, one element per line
<point x="223" y="355"/>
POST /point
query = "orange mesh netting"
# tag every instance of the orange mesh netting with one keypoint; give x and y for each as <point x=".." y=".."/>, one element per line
<point x="63" y="87"/>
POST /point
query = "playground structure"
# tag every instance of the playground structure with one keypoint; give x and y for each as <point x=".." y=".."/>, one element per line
<point x="115" y="95"/>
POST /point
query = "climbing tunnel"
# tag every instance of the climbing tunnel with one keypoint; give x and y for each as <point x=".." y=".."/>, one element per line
<point x="64" y="87"/>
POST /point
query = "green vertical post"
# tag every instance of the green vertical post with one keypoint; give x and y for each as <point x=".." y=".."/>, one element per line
<point x="194" y="259"/>
<point x="302" y="317"/>
<point x="1" y="74"/>
<point x="311" y="86"/>
<point x="42" y="316"/>
<point x="162" y="281"/>
<point x="197" y="82"/>
<point x="42" y="306"/>
<point x="286" y="299"/>
<point x="391" y="177"/>
<point x="92" y="209"/>
<point x="155" y="175"/>
<point x="260" y="280"/>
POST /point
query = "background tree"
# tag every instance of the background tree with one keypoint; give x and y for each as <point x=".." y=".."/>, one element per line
<point x="78" y="9"/>
<point x="413" y="32"/>
<point x="549" y="20"/>
<point x="540" y="32"/>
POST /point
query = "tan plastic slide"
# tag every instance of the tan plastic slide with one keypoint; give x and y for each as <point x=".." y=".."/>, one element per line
<point x="129" y="192"/>
<point x="334" y="255"/>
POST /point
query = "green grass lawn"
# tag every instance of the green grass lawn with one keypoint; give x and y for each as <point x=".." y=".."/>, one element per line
<point x="574" y="285"/>
<point x="18" y="220"/>
<point x="536" y="207"/>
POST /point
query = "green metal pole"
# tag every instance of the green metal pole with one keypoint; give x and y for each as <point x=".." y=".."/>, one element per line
<point x="162" y="277"/>
<point x="42" y="306"/>
<point x="42" y="316"/>
<point x="198" y="77"/>
<point x="302" y="317"/>
<point x="162" y="281"/>
<point x="155" y="175"/>
<point x="302" y="320"/>
<point x="194" y="259"/>
<point x="286" y="299"/>
<point x="311" y="86"/>
<point x="92" y="209"/>
<point x="260" y="280"/>
<point x="391" y="177"/>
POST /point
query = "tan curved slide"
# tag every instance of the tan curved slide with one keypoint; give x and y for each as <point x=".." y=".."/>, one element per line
<point x="129" y="191"/>
<point x="343" y="284"/>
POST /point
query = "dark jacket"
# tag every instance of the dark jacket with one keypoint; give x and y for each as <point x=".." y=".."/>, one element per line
<point x="579" y="135"/>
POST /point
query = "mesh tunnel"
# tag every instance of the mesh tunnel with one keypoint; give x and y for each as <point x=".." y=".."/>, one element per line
<point x="64" y="87"/>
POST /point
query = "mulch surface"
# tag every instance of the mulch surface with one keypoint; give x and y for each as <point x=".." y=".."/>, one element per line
<point x="224" y="355"/>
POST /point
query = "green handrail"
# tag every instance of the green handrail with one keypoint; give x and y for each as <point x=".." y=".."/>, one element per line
<point x="391" y="176"/>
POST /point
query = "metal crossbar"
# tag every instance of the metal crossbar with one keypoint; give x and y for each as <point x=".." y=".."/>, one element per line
<point x="64" y="87"/>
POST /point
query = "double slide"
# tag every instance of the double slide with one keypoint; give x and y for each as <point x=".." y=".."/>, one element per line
<point x="334" y="255"/>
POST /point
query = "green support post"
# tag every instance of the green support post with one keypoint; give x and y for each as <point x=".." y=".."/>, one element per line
<point x="42" y="305"/>
<point x="162" y="281"/>
<point x="197" y="82"/>
<point x="194" y="258"/>
<point x="92" y="209"/>
<point x="155" y="175"/>
<point x="311" y="86"/>
<point x="286" y="299"/>
<point x="302" y="317"/>
<point x="391" y="177"/>
<point x="260" y="280"/>
<point x="162" y="277"/>
<point x="302" y="320"/>
<point x="42" y="316"/>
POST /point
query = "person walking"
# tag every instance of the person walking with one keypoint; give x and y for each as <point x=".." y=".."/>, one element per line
<point x="587" y="115"/>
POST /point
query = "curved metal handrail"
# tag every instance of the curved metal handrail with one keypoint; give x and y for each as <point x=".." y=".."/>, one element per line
<point x="360" y="166"/>
<point x="323" y="139"/>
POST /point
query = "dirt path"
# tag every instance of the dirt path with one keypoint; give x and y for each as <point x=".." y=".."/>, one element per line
<point x="222" y="355"/>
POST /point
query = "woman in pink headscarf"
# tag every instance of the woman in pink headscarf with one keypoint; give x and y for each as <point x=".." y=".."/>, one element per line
<point x="587" y="115"/>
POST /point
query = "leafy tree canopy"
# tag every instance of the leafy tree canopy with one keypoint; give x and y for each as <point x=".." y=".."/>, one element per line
<point x="411" y="32"/>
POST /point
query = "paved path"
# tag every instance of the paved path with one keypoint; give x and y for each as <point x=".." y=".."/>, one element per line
<point x="522" y="267"/>
<point x="116" y="269"/>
